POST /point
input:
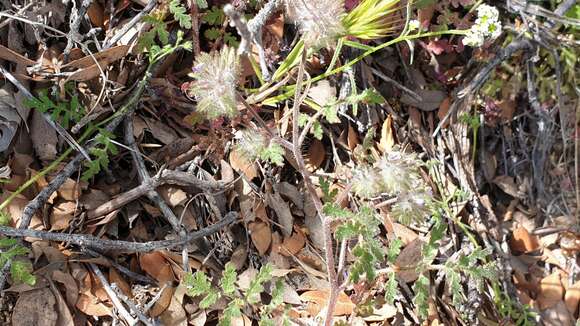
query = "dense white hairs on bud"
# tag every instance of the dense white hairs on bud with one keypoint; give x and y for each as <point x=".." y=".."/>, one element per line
<point x="320" y="21"/>
<point x="216" y="77"/>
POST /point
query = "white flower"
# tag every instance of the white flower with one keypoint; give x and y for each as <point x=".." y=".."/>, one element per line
<point x="487" y="25"/>
<point x="414" y="25"/>
<point x="320" y="21"/>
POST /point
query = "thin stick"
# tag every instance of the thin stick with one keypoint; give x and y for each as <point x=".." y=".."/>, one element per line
<point x="89" y="241"/>
<point x="113" y="296"/>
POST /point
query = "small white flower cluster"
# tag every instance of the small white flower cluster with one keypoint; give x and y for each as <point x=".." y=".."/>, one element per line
<point x="396" y="174"/>
<point x="487" y="25"/>
<point x="414" y="25"/>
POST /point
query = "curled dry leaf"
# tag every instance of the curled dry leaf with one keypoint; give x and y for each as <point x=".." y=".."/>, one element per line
<point x="408" y="259"/>
<point x="282" y="209"/>
<point x="316" y="155"/>
<point x="387" y="136"/>
<point x="293" y="244"/>
<point x="61" y="216"/>
<point x="155" y="264"/>
<point x="318" y="299"/>
<point x="242" y="165"/>
<point x="261" y="236"/>
<point x="523" y="242"/>
<point x="572" y="298"/>
<point x="551" y="291"/>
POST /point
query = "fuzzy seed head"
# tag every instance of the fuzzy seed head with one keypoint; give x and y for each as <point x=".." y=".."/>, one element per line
<point x="366" y="182"/>
<point x="399" y="172"/>
<point x="250" y="144"/>
<point x="320" y="21"/>
<point x="216" y="76"/>
<point x="412" y="207"/>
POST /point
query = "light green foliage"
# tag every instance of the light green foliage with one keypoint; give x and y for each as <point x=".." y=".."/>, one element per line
<point x="520" y="314"/>
<point x="227" y="283"/>
<point x="158" y="29"/>
<point x="328" y="195"/>
<point x="21" y="272"/>
<point x="394" y="250"/>
<point x="5" y="219"/>
<point x="180" y="14"/>
<point x="65" y="113"/>
<point x="391" y="288"/>
<point x="315" y="130"/>
<point x="273" y="153"/>
<point x="371" y="19"/>
<point x="215" y="18"/>
<point x="198" y="284"/>
<point x="100" y="154"/>
<point x="201" y="4"/>
<point x="257" y="284"/>
<point x="421" y="298"/>
<point x="368" y="250"/>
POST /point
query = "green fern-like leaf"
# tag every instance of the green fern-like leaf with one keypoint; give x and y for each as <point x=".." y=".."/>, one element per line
<point x="391" y="288"/>
<point x="21" y="272"/>
<point x="454" y="283"/>
<point x="5" y="218"/>
<point x="228" y="280"/>
<point x="100" y="152"/>
<point x="180" y="14"/>
<point x="214" y="17"/>
<point x="394" y="250"/>
<point x="421" y="299"/>
<point x="7" y="242"/>
<point x="273" y="153"/>
<point x="232" y="311"/>
<point x="257" y="284"/>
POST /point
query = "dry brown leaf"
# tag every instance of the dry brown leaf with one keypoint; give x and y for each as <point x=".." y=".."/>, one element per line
<point x="387" y="136"/>
<point x="163" y="303"/>
<point x="507" y="184"/>
<point x="316" y="155"/>
<point x="65" y="317"/>
<point x="551" y="291"/>
<point x="443" y="109"/>
<point x="292" y="245"/>
<point x="103" y="58"/>
<point x="352" y="138"/>
<point x="70" y="285"/>
<point x="408" y="259"/>
<point x="319" y="299"/>
<point x="404" y="233"/>
<point x="322" y="92"/>
<point x="572" y="298"/>
<point x="154" y="264"/>
<point x="242" y="165"/>
<point x="523" y="242"/>
<point x="61" y="216"/>
<point x="261" y="236"/>
<point x="115" y="277"/>
<point x="92" y="306"/>
<point x="9" y="55"/>
<point x="95" y="13"/>
<point x="36" y="307"/>
<point x="15" y="209"/>
<point x="557" y="315"/>
<point x="173" y="196"/>
<point x="44" y="137"/>
<point x="175" y="314"/>
<point x="282" y="209"/>
<point x="227" y="172"/>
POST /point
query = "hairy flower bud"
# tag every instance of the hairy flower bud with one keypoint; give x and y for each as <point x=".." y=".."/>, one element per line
<point x="320" y="21"/>
<point x="216" y="77"/>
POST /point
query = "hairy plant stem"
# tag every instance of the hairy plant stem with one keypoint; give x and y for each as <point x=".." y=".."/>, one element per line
<point x="326" y="227"/>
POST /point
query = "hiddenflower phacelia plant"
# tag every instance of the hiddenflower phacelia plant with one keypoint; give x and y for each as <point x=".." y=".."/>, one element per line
<point x="216" y="77"/>
<point x="487" y="25"/>
<point x="396" y="174"/>
<point x="319" y="21"/>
